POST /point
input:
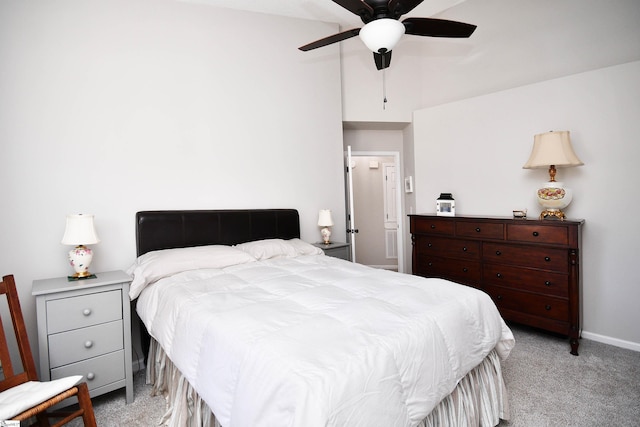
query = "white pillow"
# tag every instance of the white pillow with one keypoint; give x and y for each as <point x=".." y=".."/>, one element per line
<point x="268" y="248"/>
<point x="155" y="265"/>
<point x="303" y="248"/>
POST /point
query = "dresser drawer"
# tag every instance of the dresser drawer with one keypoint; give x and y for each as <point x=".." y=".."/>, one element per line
<point x="526" y="302"/>
<point x="480" y="230"/>
<point x="65" y="314"/>
<point x="447" y="247"/>
<point x="432" y="226"/>
<point x="97" y="371"/>
<point x="533" y="257"/>
<point x="538" y="234"/>
<point x="467" y="272"/>
<point x="543" y="282"/>
<point x="79" y="344"/>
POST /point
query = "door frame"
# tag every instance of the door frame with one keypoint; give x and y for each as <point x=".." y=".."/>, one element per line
<point x="399" y="197"/>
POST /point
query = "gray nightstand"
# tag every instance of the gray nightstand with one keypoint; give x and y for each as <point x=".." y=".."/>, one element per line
<point x="84" y="328"/>
<point x="336" y="249"/>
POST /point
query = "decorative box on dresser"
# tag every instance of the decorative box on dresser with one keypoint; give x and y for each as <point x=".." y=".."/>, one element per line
<point x="530" y="268"/>
<point x="84" y="328"/>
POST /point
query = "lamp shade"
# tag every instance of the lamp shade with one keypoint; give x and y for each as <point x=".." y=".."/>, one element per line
<point x="552" y="148"/>
<point x="80" y="230"/>
<point x="325" y="219"/>
<point x="382" y="34"/>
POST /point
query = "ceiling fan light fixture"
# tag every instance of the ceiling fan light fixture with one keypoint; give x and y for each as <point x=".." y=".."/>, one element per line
<point x="382" y="35"/>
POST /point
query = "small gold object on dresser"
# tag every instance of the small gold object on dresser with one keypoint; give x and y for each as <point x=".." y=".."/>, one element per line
<point x="530" y="268"/>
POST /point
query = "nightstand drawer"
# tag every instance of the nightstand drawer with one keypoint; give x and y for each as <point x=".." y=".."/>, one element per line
<point x="97" y="371"/>
<point x="65" y="314"/>
<point x="79" y="344"/>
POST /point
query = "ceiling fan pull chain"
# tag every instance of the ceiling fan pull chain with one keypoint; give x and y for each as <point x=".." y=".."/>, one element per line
<point x="384" y="87"/>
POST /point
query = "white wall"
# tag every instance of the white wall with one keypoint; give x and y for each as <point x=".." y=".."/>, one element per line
<point x="475" y="149"/>
<point x="517" y="42"/>
<point x="110" y="107"/>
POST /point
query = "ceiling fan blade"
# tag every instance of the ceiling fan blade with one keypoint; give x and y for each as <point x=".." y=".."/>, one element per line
<point x="331" y="39"/>
<point x="432" y="27"/>
<point x="382" y="60"/>
<point x="400" y="7"/>
<point x="359" y="7"/>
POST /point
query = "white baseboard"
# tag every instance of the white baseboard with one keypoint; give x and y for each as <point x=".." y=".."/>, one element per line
<point x="611" y="341"/>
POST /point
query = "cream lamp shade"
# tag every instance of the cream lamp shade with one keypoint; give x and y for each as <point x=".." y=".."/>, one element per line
<point x="550" y="150"/>
<point x="325" y="220"/>
<point x="80" y="231"/>
<point x="382" y="35"/>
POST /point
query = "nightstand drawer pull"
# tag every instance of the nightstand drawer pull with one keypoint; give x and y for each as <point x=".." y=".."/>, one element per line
<point x="91" y="376"/>
<point x="86" y="311"/>
<point x="88" y="344"/>
<point x="535" y="234"/>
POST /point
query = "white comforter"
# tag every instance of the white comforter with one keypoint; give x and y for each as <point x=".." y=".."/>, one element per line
<point x="317" y="341"/>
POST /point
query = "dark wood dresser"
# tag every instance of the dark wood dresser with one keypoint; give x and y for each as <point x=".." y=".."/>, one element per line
<point x="530" y="268"/>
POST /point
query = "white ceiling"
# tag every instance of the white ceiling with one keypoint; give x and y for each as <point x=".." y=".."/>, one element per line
<point x="320" y="10"/>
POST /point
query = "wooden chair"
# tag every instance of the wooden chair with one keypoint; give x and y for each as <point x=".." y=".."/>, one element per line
<point x="22" y="396"/>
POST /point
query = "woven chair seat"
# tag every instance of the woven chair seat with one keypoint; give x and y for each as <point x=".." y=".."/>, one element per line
<point x="32" y="393"/>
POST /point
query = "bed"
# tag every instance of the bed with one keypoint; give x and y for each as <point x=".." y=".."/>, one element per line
<point x="250" y="326"/>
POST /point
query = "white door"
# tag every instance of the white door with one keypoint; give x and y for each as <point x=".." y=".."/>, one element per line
<point x="390" y="191"/>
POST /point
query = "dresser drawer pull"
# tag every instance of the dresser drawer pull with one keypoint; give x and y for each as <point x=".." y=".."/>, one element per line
<point x="547" y="307"/>
<point x="429" y="245"/>
<point x="547" y="258"/>
<point x="464" y="249"/>
<point x="88" y="344"/>
<point x="535" y="234"/>
<point x="433" y="226"/>
<point x="91" y="376"/>
<point x="477" y="229"/>
<point x="499" y="275"/>
<point x="499" y="297"/>
<point x="86" y="311"/>
<point x="430" y="264"/>
<point x="547" y="283"/>
<point x="498" y="253"/>
<point x="465" y="270"/>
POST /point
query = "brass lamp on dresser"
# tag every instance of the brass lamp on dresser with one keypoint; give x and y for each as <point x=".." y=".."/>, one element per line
<point x="530" y="268"/>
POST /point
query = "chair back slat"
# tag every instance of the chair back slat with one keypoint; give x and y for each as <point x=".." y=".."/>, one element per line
<point x="29" y="373"/>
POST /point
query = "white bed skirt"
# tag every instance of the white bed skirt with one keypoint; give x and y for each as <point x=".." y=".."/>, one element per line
<point x="479" y="399"/>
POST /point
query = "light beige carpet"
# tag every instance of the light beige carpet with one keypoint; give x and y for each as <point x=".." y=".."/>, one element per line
<point x="547" y="387"/>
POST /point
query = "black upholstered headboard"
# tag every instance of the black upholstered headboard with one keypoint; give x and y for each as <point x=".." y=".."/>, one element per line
<point x="178" y="229"/>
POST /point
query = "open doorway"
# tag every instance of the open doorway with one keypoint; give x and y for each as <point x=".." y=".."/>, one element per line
<point x="375" y="191"/>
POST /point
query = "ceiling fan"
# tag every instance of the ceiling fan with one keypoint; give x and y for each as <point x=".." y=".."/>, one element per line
<point x="382" y="30"/>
